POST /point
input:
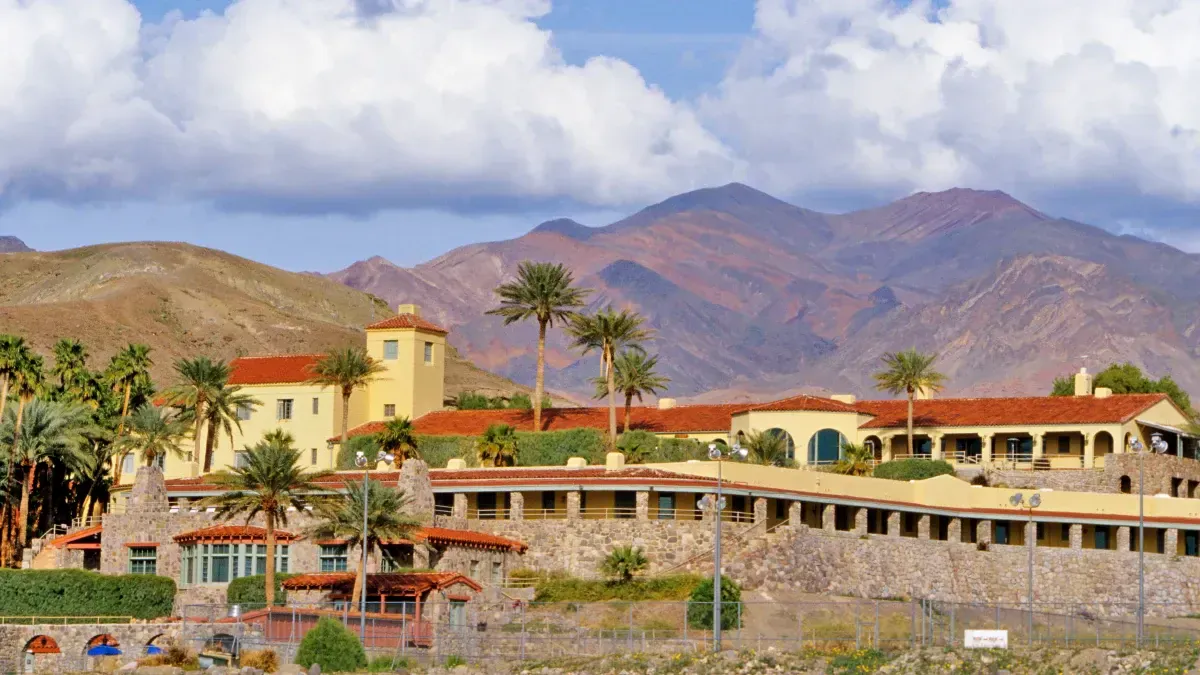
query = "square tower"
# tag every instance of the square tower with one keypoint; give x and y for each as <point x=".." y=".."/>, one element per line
<point x="413" y="353"/>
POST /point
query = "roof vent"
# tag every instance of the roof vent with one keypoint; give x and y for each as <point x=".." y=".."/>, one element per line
<point x="576" y="462"/>
<point x="667" y="403"/>
<point x="614" y="461"/>
<point x="1083" y="383"/>
<point x="456" y="464"/>
<point x="1103" y="392"/>
<point x="408" y="309"/>
<point x="848" y="399"/>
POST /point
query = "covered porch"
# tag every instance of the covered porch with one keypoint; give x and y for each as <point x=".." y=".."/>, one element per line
<point x="1012" y="448"/>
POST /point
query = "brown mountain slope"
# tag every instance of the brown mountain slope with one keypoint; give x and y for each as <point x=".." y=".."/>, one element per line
<point x="184" y="300"/>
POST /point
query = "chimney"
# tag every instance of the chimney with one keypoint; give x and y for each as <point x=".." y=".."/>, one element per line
<point x="1103" y="392"/>
<point x="1083" y="383"/>
<point x="666" y="403"/>
<point x="614" y="461"/>
<point x="848" y="399"/>
<point x="408" y="308"/>
<point x="923" y="394"/>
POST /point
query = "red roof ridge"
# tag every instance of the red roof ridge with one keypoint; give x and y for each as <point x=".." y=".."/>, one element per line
<point x="225" y="531"/>
<point x="282" y="355"/>
<point x="406" y="320"/>
<point x="76" y="536"/>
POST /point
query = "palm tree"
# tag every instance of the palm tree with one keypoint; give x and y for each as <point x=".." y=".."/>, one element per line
<point x="13" y="352"/>
<point x="609" y="331"/>
<point x="269" y="483"/>
<point x="635" y="375"/>
<point x="27" y="383"/>
<point x="386" y="521"/>
<point x="543" y="292"/>
<point x="397" y="438"/>
<point x="50" y="431"/>
<point x="347" y="369"/>
<point x="70" y="369"/>
<point x="497" y="446"/>
<point x="221" y="416"/>
<point x="909" y="372"/>
<point x="769" y="448"/>
<point x="153" y="432"/>
<point x="199" y="380"/>
<point x="623" y="562"/>
<point x="127" y="367"/>
<point x="857" y="460"/>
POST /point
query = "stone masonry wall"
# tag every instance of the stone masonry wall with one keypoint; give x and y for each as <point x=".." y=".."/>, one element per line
<point x="1165" y="474"/>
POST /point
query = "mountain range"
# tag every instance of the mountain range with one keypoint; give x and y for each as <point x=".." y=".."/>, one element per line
<point x="753" y="297"/>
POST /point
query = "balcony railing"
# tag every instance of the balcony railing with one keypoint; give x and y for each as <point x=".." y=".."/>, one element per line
<point x="608" y="513"/>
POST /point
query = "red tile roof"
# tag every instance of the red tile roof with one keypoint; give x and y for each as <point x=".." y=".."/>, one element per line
<point x="232" y="533"/>
<point x="390" y="583"/>
<point x="74" y="537"/>
<point x="285" y="369"/>
<point x="407" y="321"/>
<point x="997" y="412"/>
<point x="466" y="538"/>
<point x="680" y="420"/>
<point x="805" y="402"/>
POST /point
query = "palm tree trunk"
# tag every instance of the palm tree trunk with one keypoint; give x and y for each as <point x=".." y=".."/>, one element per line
<point x="3" y="396"/>
<point x="198" y="432"/>
<point x="120" y="430"/>
<point x="612" y="400"/>
<point x="910" y="422"/>
<point x="210" y="443"/>
<point x="360" y="581"/>
<point x="5" y="533"/>
<point x="628" y="405"/>
<point x="345" y="414"/>
<point x="23" y="523"/>
<point x="16" y="442"/>
<point x="270" y="589"/>
<point x="539" y="383"/>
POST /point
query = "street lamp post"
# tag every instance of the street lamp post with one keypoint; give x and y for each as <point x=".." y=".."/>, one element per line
<point x="715" y="453"/>
<point x="1158" y="446"/>
<point x="361" y="461"/>
<point x="1018" y="501"/>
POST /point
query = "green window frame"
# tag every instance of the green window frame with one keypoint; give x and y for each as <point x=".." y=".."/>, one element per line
<point x="458" y="614"/>
<point x="222" y="563"/>
<point x="333" y="558"/>
<point x="143" y="560"/>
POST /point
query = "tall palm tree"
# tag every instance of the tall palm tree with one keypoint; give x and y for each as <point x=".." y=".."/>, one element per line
<point x="27" y="383"/>
<point x="199" y="380"/>
<point x="347" y="369"/>
<point x="153" y="432"/>
<point x="127" y="368"/>
<point x="269" y="483"/>
<point x="386" y="521"/>
<point x="608" y="331"/>
<point x="635" y="375"/>
<point x="221" y="417"/>
<point x="497" y="446"/>
<point x="909" y="372"/>
<point x="50" y="431"/>
<point x="769" y="448"/>
<point x="13" y="352"/>
<point x="397" y="438"/>
<point x="544" y="292"/>
<point x="70" y="370"/>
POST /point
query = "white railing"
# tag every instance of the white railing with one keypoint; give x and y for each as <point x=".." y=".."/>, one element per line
<point x="607" y="513"/>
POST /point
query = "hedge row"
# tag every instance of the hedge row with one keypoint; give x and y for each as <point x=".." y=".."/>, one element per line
<point x="252" y="591"/>
<point x="82" y="593"/>
<point x="913" y="469"/>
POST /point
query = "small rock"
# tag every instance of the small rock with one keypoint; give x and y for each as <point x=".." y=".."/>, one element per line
<point x="314" y="669"/>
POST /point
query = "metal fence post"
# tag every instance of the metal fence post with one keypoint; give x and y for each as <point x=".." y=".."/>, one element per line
<point x="685" y="625"/>
<point x="522" y="632"/>
<point x="876" y="624"/>
<point x="629" y="638"/>
<point x="953" y="633"/>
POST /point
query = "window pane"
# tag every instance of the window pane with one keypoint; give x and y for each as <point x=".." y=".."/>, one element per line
<point x="428" y="352"/>
<point x="390" y="350"/>
<point x="389" y="410"/>
<point x="316" y="406"/>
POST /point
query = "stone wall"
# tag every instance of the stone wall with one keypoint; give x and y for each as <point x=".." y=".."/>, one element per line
<point x="1165" y="474"/>
<point x="880" y="566"/>
<point x="72" y="641"/>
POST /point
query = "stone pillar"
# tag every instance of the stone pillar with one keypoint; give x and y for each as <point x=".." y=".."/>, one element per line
<point x="983" y="531"/>
<point x="1038" y="446"/>
<point x="573" y="500"/>
<point x="860" y="521"/>
<point x="985" y="444"/>
<point x="1170" y="541"/>
<point x="893" y="524"/>
<point x="1089" y="451"/>
<point x="954" y="531"/>
<point x="706" y="515"/>
<point x="643" y="505"/>
<point x="516" y="506"/>
<point x="414" y="482"/>
<point x="149" y="492"/>
<point x="460" y="505"/>
<point x="420" y="556"/>
<point x="923" y="526"/>
<point x="935" y="446"/>
<point x="1077" y="536"/>
<point x="1122" y="538"/>
<point x="796" y="515"/>
<point x="885" y="447"/>
<point x="828" y="522"/>
<point x="760" y="510"/>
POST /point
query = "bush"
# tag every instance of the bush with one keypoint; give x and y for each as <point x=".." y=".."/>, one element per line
<point x="332" y="646"/>
<point x="390" y="664"/>
<point x="82" y="593"/>
<point x="368" y="445"/>
<point x="250" y="592"/>
<point x="678" y="450"/>
<point x="623" y="562"/>
<point x="173" y="655"/>
<point x="265" y="660"/>
<point x="638" y="446"/>
<point x="913" y="469"/>
<point x="700" y="605"/>
<point x="567" y="589"/>
<point x="454" y="661"/>
<point x="552" y="448"/>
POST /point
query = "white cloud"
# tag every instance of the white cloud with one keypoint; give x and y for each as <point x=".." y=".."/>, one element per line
<point x="1027" y="95"/>
<point x="315" y="102"/>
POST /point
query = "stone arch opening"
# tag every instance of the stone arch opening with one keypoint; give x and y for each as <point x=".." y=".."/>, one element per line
<point x="42" y="644"/>
<point x="1126" y="485"/>
<point x="223" y="643"/>
<point x="875" y="445"/>
<point x="1102" y="445"/>
<point x="157" y="644"/>
<point x="825" y="446"/>
<point x="789" y="443"/>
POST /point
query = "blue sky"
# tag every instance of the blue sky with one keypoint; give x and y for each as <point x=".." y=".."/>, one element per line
<point x="405" y="133"/>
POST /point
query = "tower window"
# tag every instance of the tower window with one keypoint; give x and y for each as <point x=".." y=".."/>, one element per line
<point x="389" y="410"/>
<point x="428" y="353"/>
<point x="391" y="350"/>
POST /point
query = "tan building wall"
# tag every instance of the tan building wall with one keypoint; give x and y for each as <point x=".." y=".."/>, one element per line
<point x="411" y="382"/>
<point x="801" y="425"/>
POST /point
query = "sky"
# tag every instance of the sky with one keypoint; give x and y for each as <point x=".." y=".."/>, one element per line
<point x="309" y="134"/>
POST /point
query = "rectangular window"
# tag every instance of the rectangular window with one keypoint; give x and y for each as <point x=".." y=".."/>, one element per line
<point x="443" y="503"/>
<point x="428" y="353"/>
<point x="1101" y="535"/>
<point x="391" y="350"/>
<point x="1064" y="444"/>
<point x="316" y="406"/>
<point x="458" y="614"/>
<point x="313" y="457"/>
<point x="1191" y="542"/>
<point x="283" y="409"/>
<point x="666" y="505"/>
<point x="143" y="560"/>
<point x="1064" y="532"/>
<point x="548" y="502"/>
<point x="240" y="460"/>
<point x="333" y="558"/>
<point x="474" y="568"/>
<point x="397" y="558"/>
<point x="129" y="465"/>
<point x="161" y="461"/>
<point x="1001" y="532"/>
<point x="1041" y="531"/>
<point x="486" y="505"/>
<point x="497" y="573"/>
<point x="625" y="504"/>
<point x="243" y="411"/>
<point x="389" y="410"/>
<point x="220" y="564"/>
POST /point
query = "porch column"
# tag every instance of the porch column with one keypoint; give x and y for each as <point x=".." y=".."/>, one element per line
<point x="893" y="524"/>
<point x="1038" y="449"/>
<point x="860" y="521"/>
<point x="573" y="506"/>
<point x="1077" y="536"/>
<point x="954" y="531"/>
<point x="643" y="505"/>
<point x="516" y="506"/>
<point x="460" y="505"/>
<point x="828" y="522"/>
<point x="923" y="526"/>
<point x="935" y="446"/>
<point x="707" y="514"/>
<point x="760" y="510"/>
<point x="796" y="515"/>
<point x="985" y="449"/>
<point x="1170" y="541"/>
<point x="1089" y="451"/>
<point x="885" y="449"/>
<point x="983" y="531"/>
<point x="1122" y="538"/>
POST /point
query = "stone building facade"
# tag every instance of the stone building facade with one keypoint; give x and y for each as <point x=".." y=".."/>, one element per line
<point x="1165" y="474"/>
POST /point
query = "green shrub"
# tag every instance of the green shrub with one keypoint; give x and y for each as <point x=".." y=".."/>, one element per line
<point x="390" y="664"/>
<point x="82" y="593"/>
<point x="250" y="592"/>
<point x="700" y="605"/>
<point x="568" y="589"/>
<point x="438" y="450"/>
<point x="913" y="469"/>
<point x="332" y="646"/>
<point x="623" y="562"/>
<point x="678" y="450"/>
<point x="368" y="445"/>
<point x="553" y="448"/>
<point x="454" y="661"/>
<point x="265" y="660"/>
<point x="638" y="446"/>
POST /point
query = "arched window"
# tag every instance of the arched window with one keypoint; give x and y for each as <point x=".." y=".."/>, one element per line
<point x="1126" y="485"/>
<point x="825" y="447"/>
<point x="790" y="444"/>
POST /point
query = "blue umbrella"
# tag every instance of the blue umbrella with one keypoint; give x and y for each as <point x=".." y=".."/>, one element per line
<point x="103" y="650"/>
<point x="152" y="650"/>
